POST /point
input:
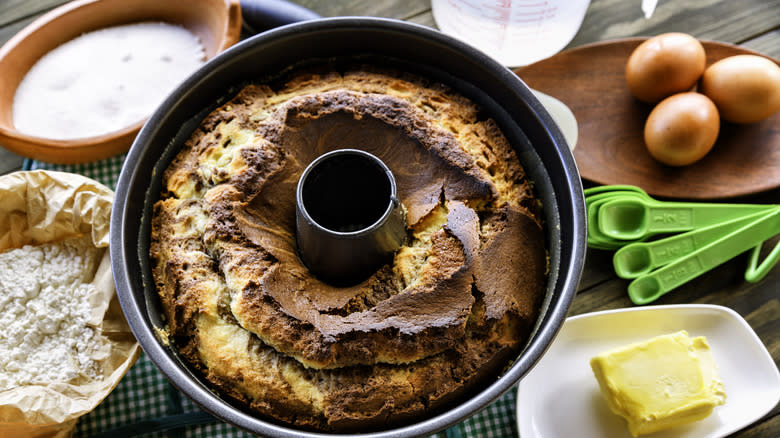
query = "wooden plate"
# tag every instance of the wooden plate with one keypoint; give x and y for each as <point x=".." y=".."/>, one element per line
<point x="610" y="149"/>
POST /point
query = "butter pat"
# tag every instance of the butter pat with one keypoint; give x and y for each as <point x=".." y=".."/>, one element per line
<point x="663" y="382"/>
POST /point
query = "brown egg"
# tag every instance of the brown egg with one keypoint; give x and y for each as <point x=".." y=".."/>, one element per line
<point x="745" y="88"/>
<point x="664" y="65"/>
<point x="682" y="129"/>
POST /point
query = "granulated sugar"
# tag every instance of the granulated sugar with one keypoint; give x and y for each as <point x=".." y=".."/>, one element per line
<point x="104" y="80"/>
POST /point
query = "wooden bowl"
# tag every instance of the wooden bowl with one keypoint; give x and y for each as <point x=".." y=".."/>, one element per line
<point x="216" y="22"/>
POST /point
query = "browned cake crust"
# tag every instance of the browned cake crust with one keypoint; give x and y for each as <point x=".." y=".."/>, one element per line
<point x="451" y="311"/>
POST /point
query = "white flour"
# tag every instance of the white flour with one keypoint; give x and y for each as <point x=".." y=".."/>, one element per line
<point x="104" y="80"/>
<point x="45" y="334"/>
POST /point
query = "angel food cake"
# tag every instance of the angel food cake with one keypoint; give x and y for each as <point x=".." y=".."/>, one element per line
<point x="448" y="315"/>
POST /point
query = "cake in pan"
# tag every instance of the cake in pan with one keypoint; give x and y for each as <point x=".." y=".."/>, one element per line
<point x="445" y="318"/>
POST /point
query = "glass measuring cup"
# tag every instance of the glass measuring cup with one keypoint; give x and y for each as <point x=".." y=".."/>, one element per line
<point x="515" y="33"/>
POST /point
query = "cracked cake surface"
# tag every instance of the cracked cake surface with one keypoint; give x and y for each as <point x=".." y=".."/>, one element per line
<point x="446" y="317"/>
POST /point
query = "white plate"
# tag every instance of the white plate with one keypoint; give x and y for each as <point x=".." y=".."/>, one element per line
<point x="560" y="398"/>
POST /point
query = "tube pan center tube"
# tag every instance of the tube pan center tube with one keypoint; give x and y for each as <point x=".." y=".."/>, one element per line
<point x="349" y="221"/>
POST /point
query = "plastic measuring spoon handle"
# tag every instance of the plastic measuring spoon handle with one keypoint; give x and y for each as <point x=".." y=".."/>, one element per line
<point x="756" y="272"/>
<point x="649" y="287"/>
<point x="618" y="188"/>
<point x="639" y="258"/>
<point x="631" y="219"/>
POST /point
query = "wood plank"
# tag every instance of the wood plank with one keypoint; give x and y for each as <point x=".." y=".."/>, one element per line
<point x="13" y="10"/>
<point x="401" y="9"/>
<point x="765" y="322"/>
<point x="723" y="20"/>
<point x="425" y="18"/>
<point x="598" y="268"/>
<point x="9" y="161"/>
<point x="764" y="428"/>
<point x="768" y="43"/>
<point x="6" y="32"/>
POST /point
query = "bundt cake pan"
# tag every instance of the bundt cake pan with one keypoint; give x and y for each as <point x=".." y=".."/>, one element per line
<point x="539" y="143"/>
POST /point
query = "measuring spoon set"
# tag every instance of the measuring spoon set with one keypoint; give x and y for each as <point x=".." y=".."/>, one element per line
<point x="661" y="245"/>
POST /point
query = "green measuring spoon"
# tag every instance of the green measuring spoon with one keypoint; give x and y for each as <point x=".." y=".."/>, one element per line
<point x="649" y="287"/>
<point x="594" y="197"/>
<point x="596" y="239"/>
<point x="639" y="258"/>
<point x="633" y="219"/>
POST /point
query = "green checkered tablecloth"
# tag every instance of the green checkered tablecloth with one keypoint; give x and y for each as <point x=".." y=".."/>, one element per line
<point x="145" y="405"/>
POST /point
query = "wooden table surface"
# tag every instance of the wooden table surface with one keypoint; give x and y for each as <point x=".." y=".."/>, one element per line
<point x="754" y="24"/>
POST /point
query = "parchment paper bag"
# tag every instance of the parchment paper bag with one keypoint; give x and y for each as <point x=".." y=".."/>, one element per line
<point x="38" y="207"/>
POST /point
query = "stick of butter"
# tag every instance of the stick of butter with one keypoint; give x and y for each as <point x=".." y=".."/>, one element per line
<point x="663" y="382"/>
